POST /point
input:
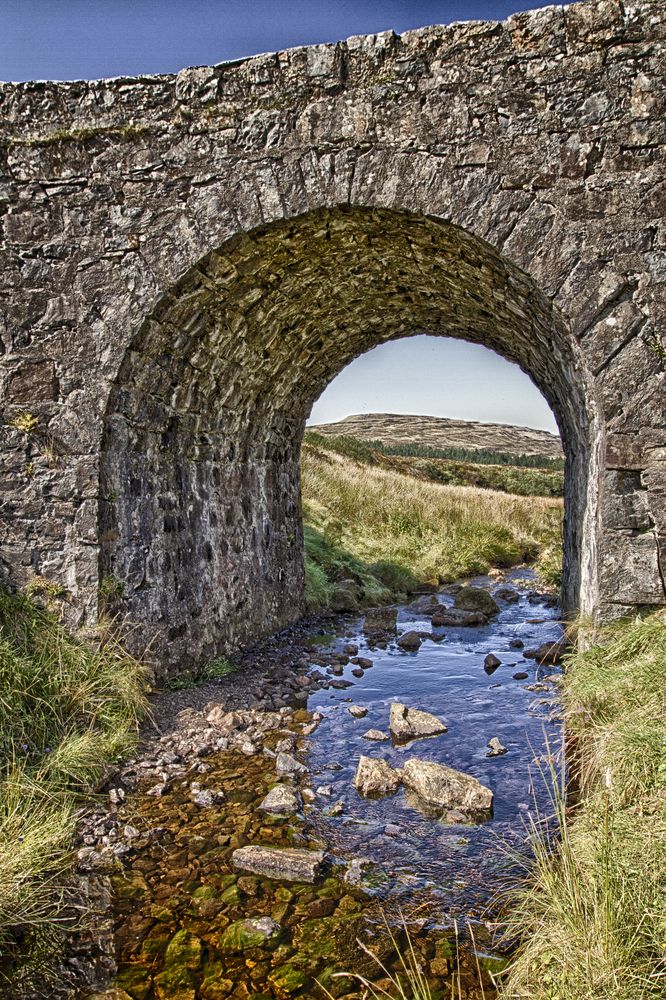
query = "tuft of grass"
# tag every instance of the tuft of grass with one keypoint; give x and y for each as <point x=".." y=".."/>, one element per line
<point x="68" y="707"/>
<point x="364" y="521"/>
<point x="591" y="914"/>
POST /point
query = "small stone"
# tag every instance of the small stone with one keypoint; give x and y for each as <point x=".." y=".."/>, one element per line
<point x="375" y="777"/>
<point x="157" y="790"/>
<point x="411" y="723"/>
<point x="281" y="801"/>
<point x="409" y="641"/>
<point x="375" y="734"/>
<point x="356" y="870"/>
<point x="491" y="663"/>
<point x="325" y="790"/>
<point x="358" y="711"/>
<point x="496" y="748"/>
<point x="357" y="672"/>
<point x="457" y="618"/>
<point x="364" y="663"/>
<point x="520" y="675"/>
<point x="350" y="649"/>
<point x="393" y="830"/>
<point x="517" y="644"/>
<point x="336" y="809"/>
<point x="287" y="764"/>
<point x="252" y="932"/>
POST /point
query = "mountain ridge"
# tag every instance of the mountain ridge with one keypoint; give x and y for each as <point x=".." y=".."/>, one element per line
<point x="444" y="432"/>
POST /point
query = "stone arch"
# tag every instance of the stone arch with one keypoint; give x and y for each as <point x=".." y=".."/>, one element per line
<point x="199" y="500"/>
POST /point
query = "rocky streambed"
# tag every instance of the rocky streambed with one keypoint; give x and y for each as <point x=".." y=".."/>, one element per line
<point x="343" y="790"/>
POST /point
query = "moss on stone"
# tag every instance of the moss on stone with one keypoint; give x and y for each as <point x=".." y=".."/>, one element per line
<point x="184" y="951"/>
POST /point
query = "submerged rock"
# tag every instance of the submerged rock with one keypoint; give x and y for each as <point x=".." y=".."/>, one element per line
<point x="375" y="777"/>
<point x="444" y="788"/>
<point x="457" y="618"/>
<point x="476" y="599"/>
<point x="282" y="801"/>
<point x="252" y="932"/>
<point x="287" y="863"/>
<point x="506" y="593"/>
<point x="411" y="723"/>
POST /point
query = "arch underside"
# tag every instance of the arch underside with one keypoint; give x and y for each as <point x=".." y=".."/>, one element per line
<point x="200" y="508"/>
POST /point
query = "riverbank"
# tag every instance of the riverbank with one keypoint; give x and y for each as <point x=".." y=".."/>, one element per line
<point x="592" y="913"/>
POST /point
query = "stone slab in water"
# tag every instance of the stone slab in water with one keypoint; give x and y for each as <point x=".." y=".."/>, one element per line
<point x="411" y="723"/>
<point x="284" y="863"/>
<point x="443" y="787"/>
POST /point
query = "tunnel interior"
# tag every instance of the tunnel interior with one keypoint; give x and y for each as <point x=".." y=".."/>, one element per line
<point x="200" y="527"/>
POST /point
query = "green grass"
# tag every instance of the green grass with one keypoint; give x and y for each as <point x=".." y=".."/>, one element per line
<point x="521" y="475"/>
<point x="68" y="707"/>
<point x="592" y="913"/>
<point x="375" y="532"/>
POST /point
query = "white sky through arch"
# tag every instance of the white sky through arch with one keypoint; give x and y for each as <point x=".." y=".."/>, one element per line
<point x="437" y="376"/>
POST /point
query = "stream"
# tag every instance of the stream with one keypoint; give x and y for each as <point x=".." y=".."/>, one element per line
<point x="181" y="907"/>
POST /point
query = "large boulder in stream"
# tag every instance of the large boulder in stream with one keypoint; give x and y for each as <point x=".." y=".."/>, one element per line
<point x="476" y="599"/>
<point x="286" y="863"/>
<point x="412" y="724"/>
<point x="380" y="622"/>
<point x="440" y="788"/>
<point x="457" y="618"/>
<point x="374" y="777"/>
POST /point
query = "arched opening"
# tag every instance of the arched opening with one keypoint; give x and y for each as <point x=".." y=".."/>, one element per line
<point x="199" y="512"/>
<point x="425" y="461"/>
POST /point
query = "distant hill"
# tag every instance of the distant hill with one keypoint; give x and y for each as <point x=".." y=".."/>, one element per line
<point x="440" y="432"/>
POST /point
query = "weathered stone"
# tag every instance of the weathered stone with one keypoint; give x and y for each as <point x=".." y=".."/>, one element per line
<point x="271" y="244"/>
<point x="457" y="618"/>
<point x="491" y="663"/>
<point x="375" y="734"/>
<point x="284" y="863"/>
<point x="374" y="777"/>
<point x="476" y="599"/>
<point x="281" y="801"/>
<point x="285" y="763"/>
<point x="549" y="653"/>
<point x="411" y="723"/>
<point x="409" y="641"/>
<point x="252" y="932"/>
<point x="440" y="787"/>
<point x="495" y="747"/>
<point x="358" y="711"/>
<point x="380" y="621"/>
<point x="508" y="594"/>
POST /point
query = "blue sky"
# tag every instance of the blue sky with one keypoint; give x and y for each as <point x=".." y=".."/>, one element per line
<point x="87" y="39"/>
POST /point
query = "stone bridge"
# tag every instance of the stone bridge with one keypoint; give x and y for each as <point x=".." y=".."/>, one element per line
<point x="188" y="260"/>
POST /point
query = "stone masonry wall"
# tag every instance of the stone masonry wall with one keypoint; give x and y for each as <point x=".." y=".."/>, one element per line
<point x="188" y="260"/>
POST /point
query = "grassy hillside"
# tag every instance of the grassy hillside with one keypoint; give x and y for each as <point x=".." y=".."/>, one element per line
<point x="521" y="475"/>
<point x="442" y="433"/>
<point x="373" y="530"/>
<point x="592" y="913"/>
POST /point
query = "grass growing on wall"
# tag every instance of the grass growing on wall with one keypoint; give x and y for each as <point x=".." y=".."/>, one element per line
<point x="592" y="914"/>
<point x="400" y="529"/>
<point x="68" y="707"/>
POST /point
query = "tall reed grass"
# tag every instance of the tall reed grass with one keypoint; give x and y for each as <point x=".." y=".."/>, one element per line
<point x="433" y="533"/>
<point x="68" y="707"/>
<point x="591" y="914"/>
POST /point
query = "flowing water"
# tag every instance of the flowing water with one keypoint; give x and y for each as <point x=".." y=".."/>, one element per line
<point x="460" y="866"/>
<point x="178" y="893"/>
